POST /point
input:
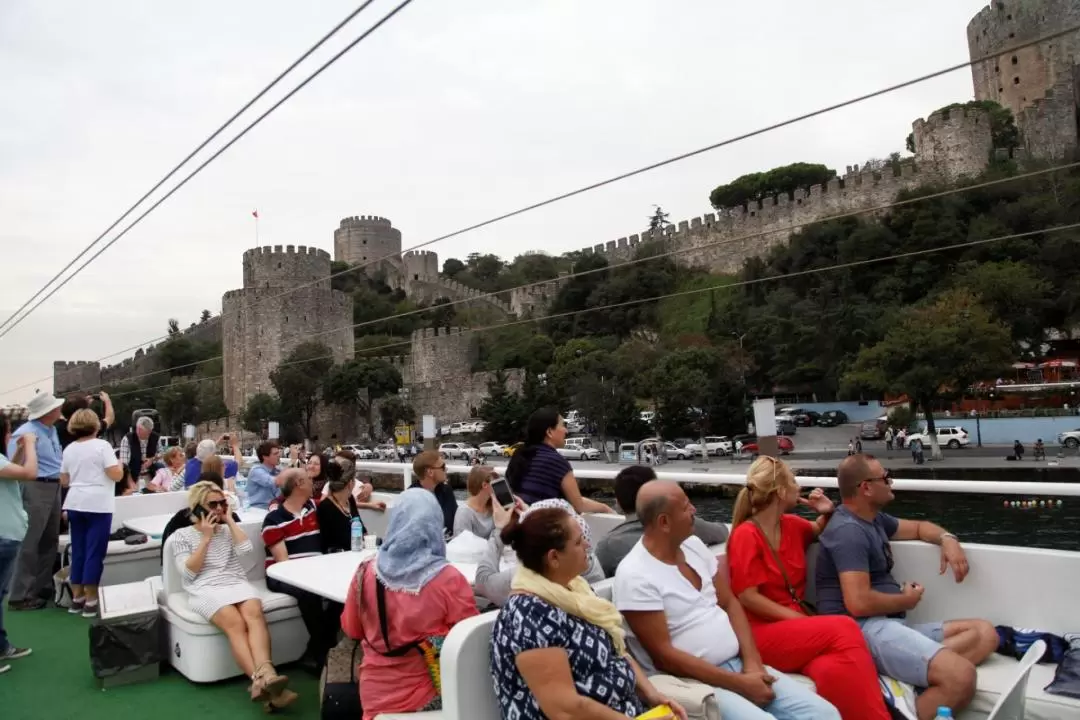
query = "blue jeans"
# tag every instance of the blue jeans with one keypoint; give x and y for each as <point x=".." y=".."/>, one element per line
<point x="9" y="553"/>
<point x="794" y="701"/>
<point x="89" y="543"/>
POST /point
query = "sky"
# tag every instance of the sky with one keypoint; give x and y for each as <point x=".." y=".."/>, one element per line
<point x="451" y="113"/>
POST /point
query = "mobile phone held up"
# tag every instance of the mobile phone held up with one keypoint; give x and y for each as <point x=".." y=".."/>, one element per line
<point x="198" y="513"/>
<point x="500" y="490"/>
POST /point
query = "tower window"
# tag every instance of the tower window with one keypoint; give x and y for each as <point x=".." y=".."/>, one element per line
<point x="1016" y="81"/>
<point x="1012" y="35"/>
<point x="279" y="266"/>
<point x="1014" y="60"/>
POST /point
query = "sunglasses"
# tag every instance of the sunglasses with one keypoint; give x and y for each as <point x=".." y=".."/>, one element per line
<point x="217" y="504"/>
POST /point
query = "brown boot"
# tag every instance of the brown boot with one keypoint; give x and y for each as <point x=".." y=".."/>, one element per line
<point x="266" y="683"/>
<point x="282" y="700"/>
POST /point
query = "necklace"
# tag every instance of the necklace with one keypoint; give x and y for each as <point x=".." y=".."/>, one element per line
<point x="344" y="510"/>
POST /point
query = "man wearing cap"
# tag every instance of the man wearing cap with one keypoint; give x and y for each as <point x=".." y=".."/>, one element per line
<point x="41" y="501"/>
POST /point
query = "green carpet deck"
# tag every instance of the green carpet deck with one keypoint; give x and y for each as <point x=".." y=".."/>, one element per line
<point x="56" y="681"/>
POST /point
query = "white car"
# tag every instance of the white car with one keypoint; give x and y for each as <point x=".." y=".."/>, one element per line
<point x="950" y="437"/>
<point x="714" y="445"/>
<point x="457" y="451"/>
<point x="1070" y="439"/>
<point x="678" y="453"/>
<point x="361" y="452"/>
<point x="386" y="451"/>
<point x="579" y="452"/>
<point x="491" y="448"/>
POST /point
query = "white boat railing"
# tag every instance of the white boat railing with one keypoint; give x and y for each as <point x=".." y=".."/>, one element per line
<point x="700" y="477"/>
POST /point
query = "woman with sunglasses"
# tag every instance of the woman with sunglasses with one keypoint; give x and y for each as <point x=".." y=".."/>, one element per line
<point x="207" y="555"/>
<point x="766" y="555"/>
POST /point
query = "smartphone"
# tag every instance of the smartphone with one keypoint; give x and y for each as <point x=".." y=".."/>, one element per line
<point x="500" y="489"/>
<point x="198" y="513"/>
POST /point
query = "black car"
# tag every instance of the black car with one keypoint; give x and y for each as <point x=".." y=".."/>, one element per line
<point x="832" y="418"/>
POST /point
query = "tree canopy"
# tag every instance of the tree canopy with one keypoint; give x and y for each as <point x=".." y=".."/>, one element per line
<point x="778" y="181"/>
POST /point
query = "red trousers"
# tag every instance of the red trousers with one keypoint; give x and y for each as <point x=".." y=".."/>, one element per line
<point x="831" y="651"/>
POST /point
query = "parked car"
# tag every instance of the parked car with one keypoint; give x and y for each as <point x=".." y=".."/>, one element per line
<point x="490" y="449"/>
<point x="951" y="437"/>
<point x="457" y="451"/>
<point x="873" y="429"/>
<point x="673" y="451"/>
<point x="579" y="452"/>
<point x="802" y="418"/>
<point x="785" y="445"/>
<point x="714" y="445"/>
<point x="785" y="425"/>
<point x="1070" y="439"/>
<point x="509" y="450"/>
<point x="832" y="418"/>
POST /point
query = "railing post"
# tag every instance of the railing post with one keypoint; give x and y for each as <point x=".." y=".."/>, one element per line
<point x="406" y="475"/>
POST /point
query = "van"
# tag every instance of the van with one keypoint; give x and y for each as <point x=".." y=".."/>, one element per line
<point x="873" y="429"/>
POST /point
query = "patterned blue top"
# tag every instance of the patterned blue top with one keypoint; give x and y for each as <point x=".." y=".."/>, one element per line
<point x="528" y="623"/>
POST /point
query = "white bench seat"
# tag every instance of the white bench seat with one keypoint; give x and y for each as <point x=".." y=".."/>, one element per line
<point x="276" y="606"/>
<point x="430" y="715"/>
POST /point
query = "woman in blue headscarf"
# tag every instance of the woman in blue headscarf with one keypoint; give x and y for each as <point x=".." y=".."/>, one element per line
<point x="400" y="607"/>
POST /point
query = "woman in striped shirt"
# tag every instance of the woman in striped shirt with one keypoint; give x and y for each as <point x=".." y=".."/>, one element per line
<point x="207" y="555"/>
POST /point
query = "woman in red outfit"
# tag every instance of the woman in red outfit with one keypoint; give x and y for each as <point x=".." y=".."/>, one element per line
<point x="830" y="650"/>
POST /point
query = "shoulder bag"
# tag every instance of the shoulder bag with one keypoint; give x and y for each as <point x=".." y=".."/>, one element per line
<point x="806" y="607"/>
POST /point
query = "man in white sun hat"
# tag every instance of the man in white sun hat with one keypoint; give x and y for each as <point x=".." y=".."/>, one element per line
<point x="41" y="501"/>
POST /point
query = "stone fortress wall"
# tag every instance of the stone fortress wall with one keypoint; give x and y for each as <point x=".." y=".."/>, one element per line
<point x="262" y="326"/>
<point x="366" y="238"/>
<point x="72" y="376"/>
<point x="1039" y="83"/>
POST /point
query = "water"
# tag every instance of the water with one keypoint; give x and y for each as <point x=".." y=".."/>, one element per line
<point x="972" y="518"/>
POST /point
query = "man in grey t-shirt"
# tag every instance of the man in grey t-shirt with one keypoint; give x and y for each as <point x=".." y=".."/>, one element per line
<point x="854" y="577"/>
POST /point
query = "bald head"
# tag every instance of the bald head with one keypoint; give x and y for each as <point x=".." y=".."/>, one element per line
<point x="853" y="471"/>
<point x="655" y="498"/>
<point x="290" y="480"/>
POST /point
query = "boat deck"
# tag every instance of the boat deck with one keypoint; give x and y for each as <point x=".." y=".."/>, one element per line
<point x="56" y="681"/>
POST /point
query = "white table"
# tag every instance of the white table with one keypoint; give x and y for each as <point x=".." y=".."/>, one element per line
<point x="154" y="525"/>
<point x="329" y="576"/>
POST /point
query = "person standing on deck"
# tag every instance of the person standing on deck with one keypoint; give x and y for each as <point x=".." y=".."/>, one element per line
<point x="41" y="501"/>
<point x="22" y="467"/>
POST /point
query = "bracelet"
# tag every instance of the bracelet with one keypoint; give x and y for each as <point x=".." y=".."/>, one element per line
<point x="949" y="535"/>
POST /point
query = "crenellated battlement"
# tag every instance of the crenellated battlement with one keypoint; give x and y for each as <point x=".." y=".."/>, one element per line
<point x="286" y="266"/>
<point x="430" y="333"/>
<point x="268" y="250"/>
<point x="421" y="254"/>
<point x="365" y="221"/>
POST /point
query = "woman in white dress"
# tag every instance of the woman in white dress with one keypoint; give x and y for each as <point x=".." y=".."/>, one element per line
<point x="208" y="557"/>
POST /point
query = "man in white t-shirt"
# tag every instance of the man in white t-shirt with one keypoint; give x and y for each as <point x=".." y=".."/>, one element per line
<point x="685" y="621"/>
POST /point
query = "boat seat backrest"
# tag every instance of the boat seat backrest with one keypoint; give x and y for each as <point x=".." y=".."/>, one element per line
<point x="1013" y="698"/>
<point x="600" y="524"/>
<point x="171" y="579"/>
<point x="467" y="687"/>
<point x="137" y="506"/>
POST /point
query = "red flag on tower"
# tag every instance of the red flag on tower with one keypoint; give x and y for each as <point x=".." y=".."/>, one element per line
<point x="255" y="214"/>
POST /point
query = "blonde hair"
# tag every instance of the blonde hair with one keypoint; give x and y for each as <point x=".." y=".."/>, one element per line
<point x="84" y="423"/>
<point x="479" y="476"/>
<point x="172" y="453"/>
<point x="200" y="491"/>
<point x="766" y="477"/>
<point x="214" y="464"/>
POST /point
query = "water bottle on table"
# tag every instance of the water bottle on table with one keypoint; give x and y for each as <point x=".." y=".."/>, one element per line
<point x="944" y="713"/>
<point x="357" y="531"/>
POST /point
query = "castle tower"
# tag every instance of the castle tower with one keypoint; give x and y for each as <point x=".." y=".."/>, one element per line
<point x="441" y="354"/>
<point x="364" y="239"/>
<point x="261" y="326"/>
<point x="420" y="266"/>
<point x="956" y="142"/>
<point x="1039" y="83"/>
<point x="72" y="376"/>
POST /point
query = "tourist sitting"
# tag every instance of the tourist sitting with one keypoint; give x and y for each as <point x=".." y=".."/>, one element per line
<point x="402" y="601"/>
<point x="290" y="532"/>
<point x="316" y="470"/>
<point x="209" y="448"/>
<point x="362" y="489"/>
<point x="126" y="485"/>
<point x="538" y="472"/>
<point x="622" y="538"/>
<point x="207" y="554"/>
<point x="557" y="649"/>
<point x="495" y="571"/>
<point x="262" y="485"/>
<point x="685" y="621"/>
<point x="182" y="518"/>
<point x="429" y="470"/>
<point x="91" y="472"/>
<point x="854" y="577"/>
<point x="139" y="449"/>
<point x="475" y="515"/>
<point x="170" y="477"/>
<point x="338" y="509"/>
<point x="767" y="561"/>
<point x="21" y="467"/>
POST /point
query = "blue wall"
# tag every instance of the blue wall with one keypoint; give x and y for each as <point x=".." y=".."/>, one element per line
<point x="1003" y="431"/>
<point x="854" y="411"/>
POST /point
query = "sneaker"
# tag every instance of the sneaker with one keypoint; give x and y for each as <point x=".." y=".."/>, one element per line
<point x="90" y="610"/>
<point x="77" y="606"/>
<point x="4" y="669"/>
<point x="14" y="653"/>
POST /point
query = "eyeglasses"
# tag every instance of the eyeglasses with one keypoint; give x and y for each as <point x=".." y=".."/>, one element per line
<point x="886" y="477"/>
<point x="217" y="504"/>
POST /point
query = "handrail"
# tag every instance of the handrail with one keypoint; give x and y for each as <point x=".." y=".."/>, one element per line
<point x="973" y="487"/>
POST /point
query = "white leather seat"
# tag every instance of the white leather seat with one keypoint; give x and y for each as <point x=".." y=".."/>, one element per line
<point x="198" y="650"/>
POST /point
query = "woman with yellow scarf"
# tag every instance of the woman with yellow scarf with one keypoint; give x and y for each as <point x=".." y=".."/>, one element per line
<point x="559" y="650"/>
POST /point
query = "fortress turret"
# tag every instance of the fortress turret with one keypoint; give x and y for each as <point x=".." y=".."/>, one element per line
<point x="288" y="266"/>
<point x="365" y="238"/>
<point x="955" y="142"/>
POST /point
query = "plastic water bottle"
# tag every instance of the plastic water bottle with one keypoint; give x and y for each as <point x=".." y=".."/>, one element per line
<point x="241" y="490"/>
<point x="943" y="713"/>
<point x="357" y="532"/>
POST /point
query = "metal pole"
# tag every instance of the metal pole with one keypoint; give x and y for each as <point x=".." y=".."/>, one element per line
<point x="978" y="426"/>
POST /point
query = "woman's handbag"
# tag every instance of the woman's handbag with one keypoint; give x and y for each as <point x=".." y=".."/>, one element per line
<point x="340" y="685"/>
<point x="806" y="607"/>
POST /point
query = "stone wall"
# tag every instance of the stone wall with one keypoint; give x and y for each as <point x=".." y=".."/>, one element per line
<point x="72" y="376"/>
<point x="366" y="238"/>
<point x="428" y="292"/>
<point x="956" y="142"/>
<point x="533" y="300"/>
<point x="438" y="353"/>
<point x="455" y="399"/>
<point x="1050" y="124"/>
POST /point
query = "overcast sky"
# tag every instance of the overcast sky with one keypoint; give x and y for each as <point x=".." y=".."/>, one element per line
<point x="449" y="114"/>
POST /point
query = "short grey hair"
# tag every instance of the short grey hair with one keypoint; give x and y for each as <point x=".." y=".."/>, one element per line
<point x="145" y="423"/>
<point x="206" y="449"/>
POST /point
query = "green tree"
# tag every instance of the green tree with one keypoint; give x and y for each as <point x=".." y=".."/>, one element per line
<point x="298" y="382"/>
<point x="205" y="317"/>
<point x="659" y="219"/>
<point x="504" y="413"/>
<point x="359" y="384"/>
<point x="452" y="267"/>
<point x="1014" y="292"/>
<point x="262" y="407"/>
<point x="174" y="327"/>
<point x="394" y="411"/>
<point x="443" y="314"/>
<point x="938" y="348"/>
<point x="178" y="404"/>
<point x="778" y="181"/>
<point x="485" y="268"/>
